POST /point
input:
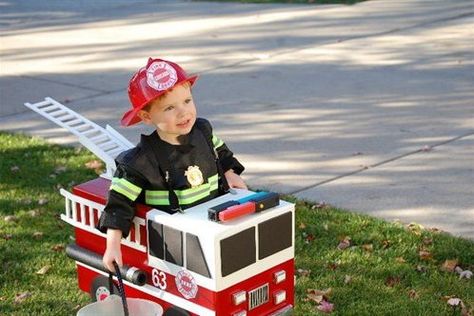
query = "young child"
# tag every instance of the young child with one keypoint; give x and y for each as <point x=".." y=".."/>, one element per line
<point x="179" y="165"/>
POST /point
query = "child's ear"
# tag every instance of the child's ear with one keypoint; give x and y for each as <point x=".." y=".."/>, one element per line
<point x="144" y="116"/>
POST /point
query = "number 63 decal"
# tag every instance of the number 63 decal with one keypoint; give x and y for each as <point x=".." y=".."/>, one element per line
<point x="159" y="279"/>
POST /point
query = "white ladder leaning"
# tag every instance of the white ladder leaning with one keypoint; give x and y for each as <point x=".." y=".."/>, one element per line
<point x="104" y="143"/>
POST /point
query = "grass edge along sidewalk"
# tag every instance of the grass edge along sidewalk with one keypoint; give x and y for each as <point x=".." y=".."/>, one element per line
<point x="347" y="264"/>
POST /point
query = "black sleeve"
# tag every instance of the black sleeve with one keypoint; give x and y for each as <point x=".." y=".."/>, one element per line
<point x="226" y="156"/>
<point x="227" y="159"/>
<point x="120" y="208"/>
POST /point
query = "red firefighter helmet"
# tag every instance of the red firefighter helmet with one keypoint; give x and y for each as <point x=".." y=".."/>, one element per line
<point x="151" y="81"/>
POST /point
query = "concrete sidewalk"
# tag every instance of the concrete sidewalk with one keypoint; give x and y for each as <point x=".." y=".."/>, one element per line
<point x="367" y="107"/>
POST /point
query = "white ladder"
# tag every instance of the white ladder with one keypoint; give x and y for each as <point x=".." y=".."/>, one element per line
<point x="104" y="143"/>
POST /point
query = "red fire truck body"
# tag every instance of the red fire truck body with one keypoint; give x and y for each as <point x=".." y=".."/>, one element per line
<point x="191" y="265"/>
<point x="241" y="267"/>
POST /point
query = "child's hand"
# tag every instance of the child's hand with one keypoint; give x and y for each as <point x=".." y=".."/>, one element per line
<point x="234" y="180"/>
<point x="113" y="252"/>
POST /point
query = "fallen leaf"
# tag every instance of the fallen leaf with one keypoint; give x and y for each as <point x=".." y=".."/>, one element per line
<point x="449" y="265"/>
<point x="309" y="238"/>
<point x="425" y="255"/>
<point x="43" y="270"/>
<point x="20" y="297"/>
<point x="454" y="301"/>
<point x="326" y="307"/>
<point x="465" y="274"/>
<point x="10" y="218"/>
<point x="326" y="293"/>
<point x="303" y="272"/>
<point x="345" y="243"/>
<point x="421" y="269"/>
<point x="347" y="279"/>
<point x="412" y="294"/>
<point x="333" y="266"/>
<point x="326" y="227"/>
<point x="34" y="213"/>
<point x="315" y="298"/>
<point x="42" y="201"/>
<point x="391" y="281"/>
<point x="386" y="244"/>
<point x="368" y="247"/>
<point x="319" y="205"/>
<point x="302" y="226"/>
<point x="400" y="260"/>
<point x="58" y="247"/>
<point x="427" y="241"/>
<point x="15" y="169"/>
<point x="7" y="236"/>
<point x="38" y="235"/>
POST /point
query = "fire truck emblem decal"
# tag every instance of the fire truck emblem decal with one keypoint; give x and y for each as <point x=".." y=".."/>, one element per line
<point x="186" y="284"/>
<point x="161" y="76"/>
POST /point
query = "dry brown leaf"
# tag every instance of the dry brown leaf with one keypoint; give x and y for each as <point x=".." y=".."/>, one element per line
<point x="345" y="243"/>
<point x="303" y="272"/>
<point x="34" y="213"/>
<point x="412" y="294"/>
<point x="43" y="270"/>
<point x="400" y="260"/>
<point x="325" y="293"/>
<point x="425" y="255"/>
<point x="391" y="281"/>
<point x="20" y="297"/>
<point x="427" y="241"/>
<point x="449" y="265"/>
<point x="302" y="226"/>
<point x="386" y="244"/>
<point x="368" y="247"/>
<point x="58" y="247"/>
<point x="38" y="235"/>
<point x="315" y="298"/>
<point x="7" y="236"/>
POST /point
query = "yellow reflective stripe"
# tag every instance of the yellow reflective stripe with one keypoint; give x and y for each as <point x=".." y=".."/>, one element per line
<point x="187" y="196"/>
<point x="126" y="188"/>
<point x="216" y="141"/>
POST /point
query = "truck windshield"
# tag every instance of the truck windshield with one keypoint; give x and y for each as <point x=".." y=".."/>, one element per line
<point x="239" y="251"/>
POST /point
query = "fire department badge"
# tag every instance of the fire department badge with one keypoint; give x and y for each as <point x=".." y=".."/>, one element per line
<point x="186" y="284"/>
<point x="161" y="76"/>
<point x="194" y="176"/>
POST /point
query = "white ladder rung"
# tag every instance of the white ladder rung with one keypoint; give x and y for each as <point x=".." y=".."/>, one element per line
<point x="99" y="139"/>
<point x="49" y="108"/>
<point x="42" y="103"/>
<point x="73" y="122"/>
<point x="108" y="146"/>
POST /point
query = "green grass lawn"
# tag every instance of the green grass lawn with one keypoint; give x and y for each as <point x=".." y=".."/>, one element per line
<point x="361" y="265"/>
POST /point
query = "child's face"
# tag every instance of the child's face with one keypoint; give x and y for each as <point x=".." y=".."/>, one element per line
<point x="173" y="115"/>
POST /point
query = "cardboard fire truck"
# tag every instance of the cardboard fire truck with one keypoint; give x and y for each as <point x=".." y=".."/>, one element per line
<point x="233" y="255"/>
